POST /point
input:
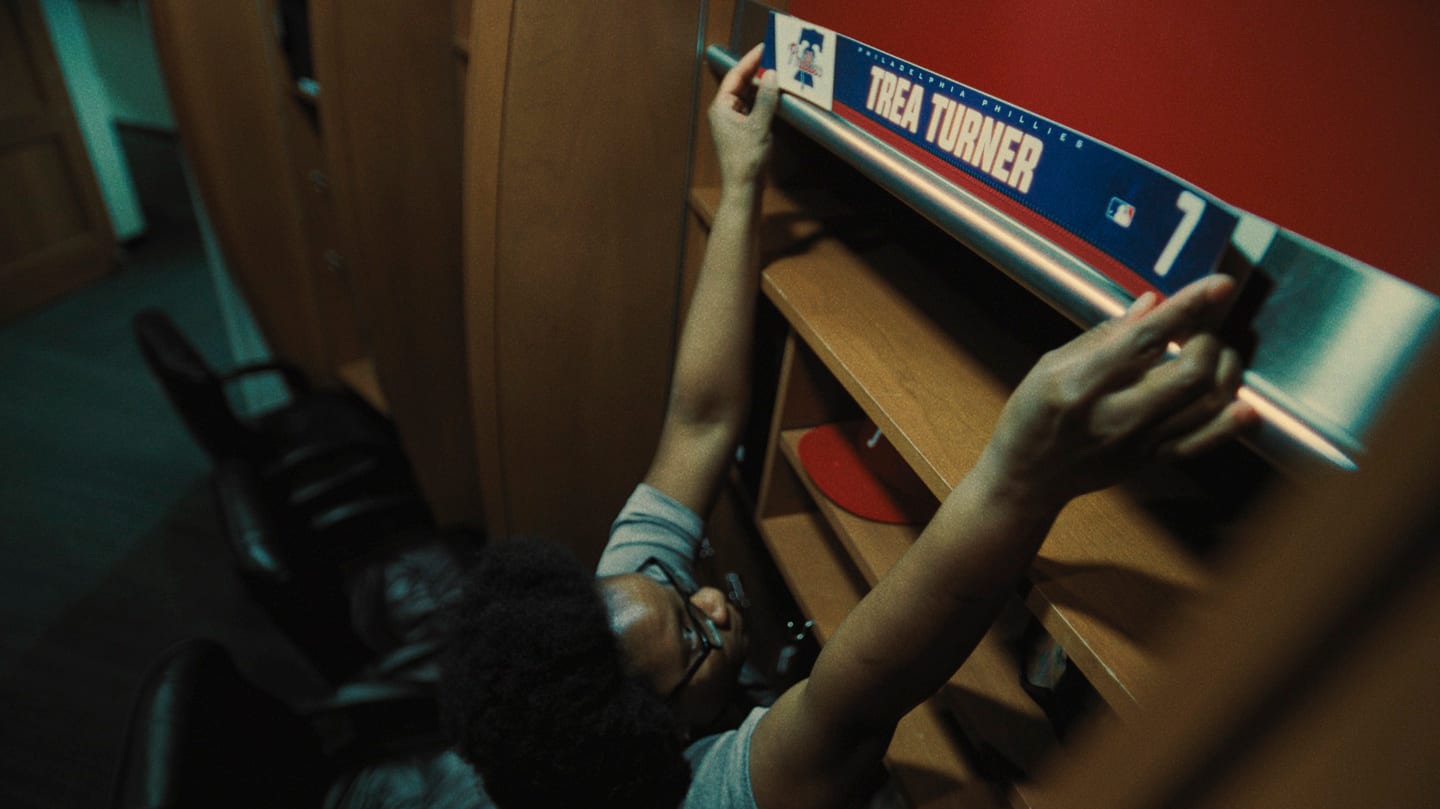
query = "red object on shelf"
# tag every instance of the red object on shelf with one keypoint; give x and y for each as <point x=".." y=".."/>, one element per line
<point x="873" y="482"/>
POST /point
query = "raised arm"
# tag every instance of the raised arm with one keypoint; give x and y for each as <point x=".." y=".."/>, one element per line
<point x="1087" y="414"/>
<point x="709" y="392"/>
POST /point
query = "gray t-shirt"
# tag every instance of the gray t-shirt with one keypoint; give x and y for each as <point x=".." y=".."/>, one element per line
<point x="653" y="524"/>
<point x="438" y="780"/>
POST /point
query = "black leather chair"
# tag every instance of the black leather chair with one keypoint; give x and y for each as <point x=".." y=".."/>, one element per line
<point x="317" y="447"/>
<point x="350" y="584"/>
<point x="201" y="735"/>
<point x="307" y="493"/>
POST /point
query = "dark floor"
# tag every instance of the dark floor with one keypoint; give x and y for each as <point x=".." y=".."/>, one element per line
<point x="110" y="547"/>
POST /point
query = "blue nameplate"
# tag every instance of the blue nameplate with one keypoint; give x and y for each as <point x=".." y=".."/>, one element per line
<point x="1165" y="231"/>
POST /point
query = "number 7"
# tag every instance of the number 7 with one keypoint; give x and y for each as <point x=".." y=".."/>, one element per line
<point x="1192" y="206"/>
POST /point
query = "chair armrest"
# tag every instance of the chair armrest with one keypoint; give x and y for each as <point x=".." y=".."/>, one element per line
<point x="319" y="476"/>
<point x="293" y="461"/>
<point x="250" y="529"/>
<point x="295" y="379"/>
<point x="412" y="663"/>
<point x="359" y="527"/>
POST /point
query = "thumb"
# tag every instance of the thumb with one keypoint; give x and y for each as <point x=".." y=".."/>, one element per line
<point x="767" y="96"/>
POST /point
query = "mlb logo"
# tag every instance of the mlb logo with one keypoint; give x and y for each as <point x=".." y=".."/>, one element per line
<point x="1120" y="212"/>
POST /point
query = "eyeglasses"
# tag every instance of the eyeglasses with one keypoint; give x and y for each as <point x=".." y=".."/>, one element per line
<point x="702" y="636"/>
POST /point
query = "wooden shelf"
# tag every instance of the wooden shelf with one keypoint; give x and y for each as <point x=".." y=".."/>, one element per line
<point x="932" y="367"/>
<point x="925" y="758"/>
<point x="874" y="547"/>
<point x="819" y="577"/>
<point x="985" y="694"/>
<point x="929" y="764"/>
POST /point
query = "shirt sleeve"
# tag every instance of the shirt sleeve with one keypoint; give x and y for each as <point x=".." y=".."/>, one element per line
<point x="653" y="524"/>
<point x="720" y="768"/>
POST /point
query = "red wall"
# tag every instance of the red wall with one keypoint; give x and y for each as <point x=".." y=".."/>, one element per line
<point x="1323" y="117"/>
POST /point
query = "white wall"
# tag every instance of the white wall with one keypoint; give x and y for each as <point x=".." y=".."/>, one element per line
<point x="125" y="58"/>
<point x="256" y="393"/>
<point x="91" y="101"/>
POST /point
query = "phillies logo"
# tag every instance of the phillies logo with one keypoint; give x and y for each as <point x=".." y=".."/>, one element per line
<point x="805" y="55"/>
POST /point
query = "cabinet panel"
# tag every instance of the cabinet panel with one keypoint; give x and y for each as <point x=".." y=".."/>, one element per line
<point x="575" y="210"/>
<point x="390" y="119"/>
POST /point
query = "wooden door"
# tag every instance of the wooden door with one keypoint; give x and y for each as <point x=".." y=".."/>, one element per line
<point x="54" y="232"/>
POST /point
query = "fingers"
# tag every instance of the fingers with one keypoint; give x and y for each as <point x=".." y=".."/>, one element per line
<point x="1181" y="315"/>
<point x="1098" y="407"/>
<point x="1183" y="407"/>
<point x="1118" y="351"/>
<point x="1165" y="391"/>
<point x="1237" y="417"/>
<point x="1141" y="305"/>
<point x="740" y="118"/>
<point x="735" y="91"/>
<point x="767" y="97"/>
<point x="737" y="79"/>
<point x="1220" y="393"/>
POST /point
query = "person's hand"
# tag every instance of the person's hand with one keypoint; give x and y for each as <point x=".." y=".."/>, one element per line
<point x="1098" y="407"/>
<point x="740" y="121"/>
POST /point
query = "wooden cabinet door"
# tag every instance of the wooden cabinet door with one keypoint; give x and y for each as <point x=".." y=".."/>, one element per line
<point x="54" y="233"/>
<point x="574" y="187"/>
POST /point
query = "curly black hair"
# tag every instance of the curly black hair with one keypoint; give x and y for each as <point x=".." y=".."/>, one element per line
<point x="535" y="692"/>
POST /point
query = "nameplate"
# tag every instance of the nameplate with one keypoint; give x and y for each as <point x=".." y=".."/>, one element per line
<point x="1157" y="227"/>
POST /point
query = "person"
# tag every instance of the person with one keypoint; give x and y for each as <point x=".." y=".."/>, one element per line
<point x="564" y="688"/>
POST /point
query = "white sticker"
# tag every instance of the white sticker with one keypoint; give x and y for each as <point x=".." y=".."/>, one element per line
<point x="805" y="60"/>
